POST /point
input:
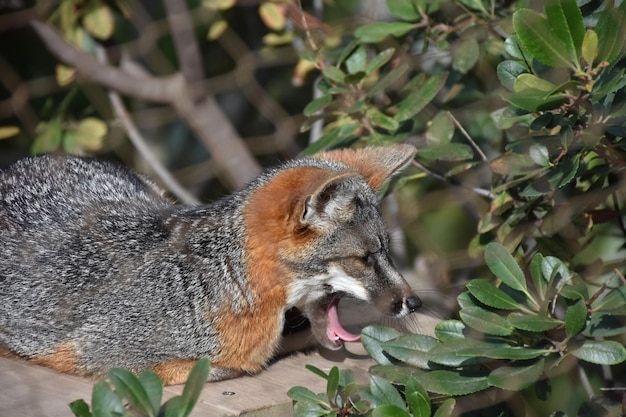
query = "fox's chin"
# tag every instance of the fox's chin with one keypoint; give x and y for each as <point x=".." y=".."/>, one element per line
<point x="325" y="324"/>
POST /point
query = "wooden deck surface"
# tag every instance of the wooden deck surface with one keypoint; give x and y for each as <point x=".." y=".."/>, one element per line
<point x="28" y="390"/>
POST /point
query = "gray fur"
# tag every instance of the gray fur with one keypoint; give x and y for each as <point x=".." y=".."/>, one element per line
<point x="92" y="253"/>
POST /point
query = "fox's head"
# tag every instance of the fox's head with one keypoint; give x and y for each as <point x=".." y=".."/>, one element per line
<point x="323" y="226"/>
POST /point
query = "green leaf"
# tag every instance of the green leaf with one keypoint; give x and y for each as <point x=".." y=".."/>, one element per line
<point x="512" y="353"/>
<point x="476" y="5"/>
<point x="446" y="409"/>
<point x="153" y="386"/>
<point x="334" y="137"/>
<point x="527" y="81"/>
<point x="539" y="280"/>
<point x="129" y="388"/>
<point x="535" y="34"/>
<point x="373" y="337"/>
<point x="466" y="300"/>
<point x="611" y="31"/>
<point x="80" y="408"/>
<point x="379" y="60"/>
<point x="508" y="71"/>
<point x="605" y="325"/>
<point x="317" y="104"/>
<point x="535" y="100"/>
<point x="612" y="299"/>
<point x="311" y="409"/>
<point x="380" y="119"/>
<point x="466" y="54"/>
<point x="418" y="99"/>
<point x="601" y="352"/>
<point x="590" y="46"/>
<point x="566" y="22"/>
<point x="392" y="77"/>
<point x="503" y="265"/>
<point x="516" y="378"/>
<point x="513" y="164"/>
<point x="457" y="353"/>
<point x="539" y="154"/>
<point x="575" y="317"/>
<point x="389" y="410"/>
<point x="357" y="60"/>
<point x="441" y="129"/>
<point x="385" y="392"/>
<point x="334" y="74"/>
<point x="417" y="398"/>
<point x="333" y="383"/>
<point x="514" y="48"/>
<point x="452" y="383"/>
<point x="557" y="177"/>
<point x="304" y="394"/>
<point x="490" y="295"/>
<point x="554" y="269"/>
<point x="182" y="405"/>
<point x="486" y="321"/>
<point x="396" y="374"/>
<point x="403" y="9"/>
<point x="411" y="349"/>
<point x="533" y="323"/>
<point x="377" y="31"/>
<point x="448" y="330"/>
<point x="104" y="401"/>
<point x="447" y="152"/>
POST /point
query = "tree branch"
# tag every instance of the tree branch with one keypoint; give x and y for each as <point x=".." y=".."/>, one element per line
<point x="161" y="90"/>
<point x="140" y="144"/>
<point x="235" y="164"/>
<point x="187" y="50"/>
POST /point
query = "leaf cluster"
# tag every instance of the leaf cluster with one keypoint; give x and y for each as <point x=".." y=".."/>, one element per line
<point x="126" y="395"/>
<point x="566" y="86"/>
<point x="515" y="331"/>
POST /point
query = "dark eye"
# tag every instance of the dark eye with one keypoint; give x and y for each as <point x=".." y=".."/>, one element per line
<point x="369" y="260"/>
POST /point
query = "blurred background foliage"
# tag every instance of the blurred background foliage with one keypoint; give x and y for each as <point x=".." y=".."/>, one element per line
<point x="517" y="109"/>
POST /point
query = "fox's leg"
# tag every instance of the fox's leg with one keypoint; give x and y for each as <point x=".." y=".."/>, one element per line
<point x="177" y="371"/>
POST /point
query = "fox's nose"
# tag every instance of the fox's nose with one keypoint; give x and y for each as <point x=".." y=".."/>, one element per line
<point x="413" y="303"/>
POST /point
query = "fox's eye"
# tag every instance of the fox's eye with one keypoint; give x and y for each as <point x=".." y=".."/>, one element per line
<point x="368" y="259"/>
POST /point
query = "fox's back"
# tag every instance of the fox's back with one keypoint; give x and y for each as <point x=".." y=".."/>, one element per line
<point x="87" y="242"/>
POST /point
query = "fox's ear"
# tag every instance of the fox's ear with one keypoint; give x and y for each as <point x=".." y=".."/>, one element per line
<point x="333" y="200"/>
<point x="376" y="164"/>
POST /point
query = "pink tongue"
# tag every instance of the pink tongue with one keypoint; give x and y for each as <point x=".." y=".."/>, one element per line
<point x="335" y="332"/>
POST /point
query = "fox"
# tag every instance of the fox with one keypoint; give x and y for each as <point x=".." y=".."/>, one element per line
<point x="99" y="268"/>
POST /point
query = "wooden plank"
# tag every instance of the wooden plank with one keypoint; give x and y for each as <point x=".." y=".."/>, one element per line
<point x="28" y="390"/>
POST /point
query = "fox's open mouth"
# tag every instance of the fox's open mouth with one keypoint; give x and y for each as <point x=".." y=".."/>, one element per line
<point x="334" y="330"/>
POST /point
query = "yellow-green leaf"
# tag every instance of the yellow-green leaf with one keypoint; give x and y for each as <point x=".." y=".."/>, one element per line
<point x="64" y="74"/>
<point x="275" y="39"/>
<point x="532" y="82"/>
<point x="218" y="4"/>
<point x="91" y="132"/>
<point x="590" y="46"/>
<point x="272" y="15"/>
<point x="99" y="21"/>
<point x="8" y="131"/>
<point x="217" y="28"/>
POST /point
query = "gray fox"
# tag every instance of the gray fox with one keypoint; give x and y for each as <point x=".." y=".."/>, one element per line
<point x="98" y="269"/>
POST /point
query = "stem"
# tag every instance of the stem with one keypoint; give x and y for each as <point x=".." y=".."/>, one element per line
<point x="141" y="145"/>
<point x="469" y="138"/>
<point x="480" y="191"/>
